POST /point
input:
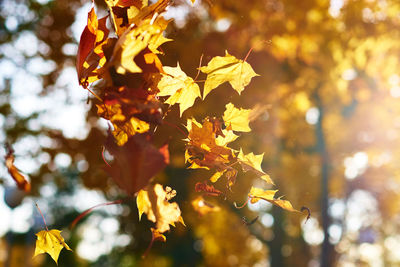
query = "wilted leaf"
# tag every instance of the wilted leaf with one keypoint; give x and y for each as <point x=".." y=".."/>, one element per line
<point x="257" y="193"/>
<point x="181" y="88"/>
<point x="136" y="162"/>
<point x="50" y="242"/>
<point x="18" y="177"/>
<point x="227" y="69"/>
<point x="237" y="119"/>
<point x="207" y="189"/>
<point x="251" y="162"/>
<point x="154" y="202"/>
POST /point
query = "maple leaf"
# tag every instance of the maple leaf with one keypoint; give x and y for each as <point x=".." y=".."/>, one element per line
<point x="132" y="42"/>
<point x="136" y="162"/>
<point x="203" y="207"/>
<point x="90" y="54"/>
<point x="202" y="150"/>
<point x="229" y="136"/>
<point x="227" y="69"/>
<point x="237" y="119"/>
<point x="251" y="162"/>
<point x="257" y="193"/>
<point x="51" y="242"/>
<point x="181" y="88"/>
<point x="154" y="202"/>
<point x="18" y="177"/>
<point x="123" y="12"/>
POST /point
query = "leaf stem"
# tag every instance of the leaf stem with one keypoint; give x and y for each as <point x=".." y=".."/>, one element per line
<point x="93" y="93"/>
<point x="198" y="69"/>
<point x="83" y="214"/>
<point x="44" y="221"/>
<point x="104" y="159"/>
<point x="240" y="207"/>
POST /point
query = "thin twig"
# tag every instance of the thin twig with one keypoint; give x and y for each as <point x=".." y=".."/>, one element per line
<point x="44" y="221"/>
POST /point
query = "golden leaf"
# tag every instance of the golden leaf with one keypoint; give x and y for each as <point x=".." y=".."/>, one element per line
<point x="257" y="193"/>
<point x="50" y="242"/>
<point x="237" y="119"/>
<point x="153" y="201"/>
<point x="181" y="88"/>
<point x="251" y="162"/>
<point x="227" y="69"/>
<point x="229" y="136"/>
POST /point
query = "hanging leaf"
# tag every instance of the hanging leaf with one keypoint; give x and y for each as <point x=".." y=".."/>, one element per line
<point x="181" y="88"/>
<point x="237" y="119"/>
<point x="257" y="193"/>
<point x="90" y="53"/>
<point x="227" y="69"/>
<point x="251" y="162"/>
<point x="154" y="202"/>
<point x="50" y="242"/>
<point x="18" y="177"/>
<point x="136" y="162"/>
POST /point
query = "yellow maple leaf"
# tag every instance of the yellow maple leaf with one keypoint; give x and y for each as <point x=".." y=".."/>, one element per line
<point x="251" y="162"/>
<point x="154" y="201"/>
<point x="227" y="69"/>
<point x="181" y="88"/>
<point x="237" y="119"/>
<point x="50" y="242"/>
<point x="257" y="193"/>
<point x="132" y="42"/>
<point x="228" y="137"/>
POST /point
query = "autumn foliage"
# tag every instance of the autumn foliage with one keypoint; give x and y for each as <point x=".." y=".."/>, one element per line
<point x="134" y="92"/>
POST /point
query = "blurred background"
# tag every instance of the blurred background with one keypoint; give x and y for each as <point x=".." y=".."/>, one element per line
<point x="330" y="74"/>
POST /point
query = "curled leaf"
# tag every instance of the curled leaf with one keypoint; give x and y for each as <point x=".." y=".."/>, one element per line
<point x="257" y="193"/>
<point x="207" y="189"/>
<point x="18" y="177"/>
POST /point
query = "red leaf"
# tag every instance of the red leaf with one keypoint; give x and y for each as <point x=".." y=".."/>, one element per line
<point x="136" y="162"/>
<point x="18" y="177"/>
<point x="208" y="189"/>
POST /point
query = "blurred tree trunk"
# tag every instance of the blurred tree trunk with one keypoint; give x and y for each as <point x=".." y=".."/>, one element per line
<point x="275" y="245"/>
<point x="327" y="250"/>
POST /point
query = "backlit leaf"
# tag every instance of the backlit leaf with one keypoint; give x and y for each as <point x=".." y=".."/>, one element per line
<point x="227" y="69"/>
<point x="251" y="162"/>
<point x="181" y="88"/>
<point x="257" y="193"/>
<point x="136" y="162"/>
<point x="237" y="119"/>
<point x="154" y="202"/>
<point x="50" y="242"/>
